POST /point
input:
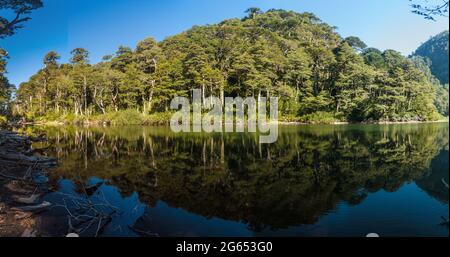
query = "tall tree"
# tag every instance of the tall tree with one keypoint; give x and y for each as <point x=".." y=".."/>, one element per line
<point x="356" y="43"/>
<point x="253" y="11"/>
<point x="5" y="87"/>
<point x="80" y="76"/>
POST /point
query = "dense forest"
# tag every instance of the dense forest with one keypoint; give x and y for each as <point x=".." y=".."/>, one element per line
<point x="434" y="54"/>
<point x="318" y="75"/>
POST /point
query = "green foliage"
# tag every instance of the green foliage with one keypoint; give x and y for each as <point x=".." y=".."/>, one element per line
<point x="21" y="10"/>
<point x="319" y="118"/>
<point x="6" y="89"/>
<point x="159" y="118"/>
<point x="125" y="117"/>
<point x="294" y="56"/>
<point x="356" y="43"/>
<point x="3" y="120"/>
<point x="442" y="100"/>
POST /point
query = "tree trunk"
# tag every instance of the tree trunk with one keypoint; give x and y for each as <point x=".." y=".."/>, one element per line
<point x="150" y="98"/>
<point x="85" y="94"/>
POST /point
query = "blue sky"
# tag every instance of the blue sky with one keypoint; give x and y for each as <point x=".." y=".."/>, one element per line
<point x="102" y="25"/>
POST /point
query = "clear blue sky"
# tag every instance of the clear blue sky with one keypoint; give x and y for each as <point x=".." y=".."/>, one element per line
<point x="102" y="25"/>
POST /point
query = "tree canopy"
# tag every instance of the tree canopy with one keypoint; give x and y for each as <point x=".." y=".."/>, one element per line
<point x="21" y="10"/>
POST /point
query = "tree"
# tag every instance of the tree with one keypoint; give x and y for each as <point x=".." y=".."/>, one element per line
<point x="21" y="10"/>
<point x="252" y="12"/>
<point x="51" y="59"/>
<point x="79" y="56"/>
<point x="124" y="56"/>
<point x="148" y="56"/>
<point x="374" y="57"/>
<point x="356" y="43"/>
<point x="430" y="10"/>
<point x="351" y="78"/>
<point x="5" y="87"/>
<point x="80" y="76"/>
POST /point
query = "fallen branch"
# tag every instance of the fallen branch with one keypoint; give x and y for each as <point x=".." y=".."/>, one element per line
<point x="445" y="183"/>
<point x="27" y="200"/>
<point x="31" y="208"/>
<point x="12" y="177"/>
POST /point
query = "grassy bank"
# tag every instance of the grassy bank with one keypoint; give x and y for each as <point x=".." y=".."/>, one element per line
<point x="133" y="117"/>
<point x="126" y="117"/>
<point x="3" y="121"/>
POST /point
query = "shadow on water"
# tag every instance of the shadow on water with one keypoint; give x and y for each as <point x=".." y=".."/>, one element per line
<point x="315" y="180"/>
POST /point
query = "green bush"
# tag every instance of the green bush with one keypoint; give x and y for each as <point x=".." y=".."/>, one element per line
<point x="3" y="120"/>
<point x="126" y="117"/>
<point x="289" y="118"/>
<point x="51" y="116"/>
<point x="434" y="116"/>
<point x="319" y="118"/>
<point x="160" y="118"/>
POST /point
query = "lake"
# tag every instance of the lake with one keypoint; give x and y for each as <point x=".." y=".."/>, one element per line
<point x="346" y="180"/>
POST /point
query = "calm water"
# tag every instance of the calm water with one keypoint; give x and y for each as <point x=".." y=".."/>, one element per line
<point x="315" y="181"/>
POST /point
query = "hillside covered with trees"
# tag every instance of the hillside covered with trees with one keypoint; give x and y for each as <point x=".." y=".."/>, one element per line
<point x="318" y="75"/>
<point x="432" y="58"/>
<point x="435" y="50"/>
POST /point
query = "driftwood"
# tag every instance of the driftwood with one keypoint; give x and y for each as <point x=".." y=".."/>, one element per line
<point x="85" y="216"/>
<point x="27" y="200"/>
<point x="445" y="183"/>
<point x="17" y="150"/>
<point x="22" y="159"/>
<point x="32" y="208"/>
<point x="88" y="214"/>
<point x="13" y="187"/>
<point x="21" y="194"/>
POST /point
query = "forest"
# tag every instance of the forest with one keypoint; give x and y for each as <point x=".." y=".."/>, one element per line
<point x="435" y="50"/>
<point x="319" y="76"/>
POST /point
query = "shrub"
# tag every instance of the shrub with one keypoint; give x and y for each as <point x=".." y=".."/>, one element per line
<point x="160" y="118"/>
<point x="290" y="118"/>
<point x="126" y="117"/>
<point x="319" y="118"/>
<point x="434" y="116"/>
<point x="3" y="120"/>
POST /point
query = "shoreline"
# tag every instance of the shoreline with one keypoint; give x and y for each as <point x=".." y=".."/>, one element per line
<point x="364" y="123"/>
<point x="22" y="191"/>
<point x="292" y="123"/>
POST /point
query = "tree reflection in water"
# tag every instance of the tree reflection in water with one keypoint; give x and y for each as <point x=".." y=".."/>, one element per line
<point x="297" y="180"/>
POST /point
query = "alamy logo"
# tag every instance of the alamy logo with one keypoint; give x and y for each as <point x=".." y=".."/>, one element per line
<point x="232" y="114"/>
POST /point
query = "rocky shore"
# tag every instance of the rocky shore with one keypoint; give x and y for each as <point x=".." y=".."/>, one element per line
<point x="22" y="185"/>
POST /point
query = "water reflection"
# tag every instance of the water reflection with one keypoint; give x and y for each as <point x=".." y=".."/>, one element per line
<point x="307" y="174"/>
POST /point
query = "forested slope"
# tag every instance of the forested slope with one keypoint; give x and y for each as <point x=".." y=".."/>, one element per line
<point x="318" y="75"/>
<point x="435" y="50"/>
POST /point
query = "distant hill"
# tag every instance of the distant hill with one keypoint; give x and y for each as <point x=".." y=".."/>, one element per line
<point x="436" y="51"/>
